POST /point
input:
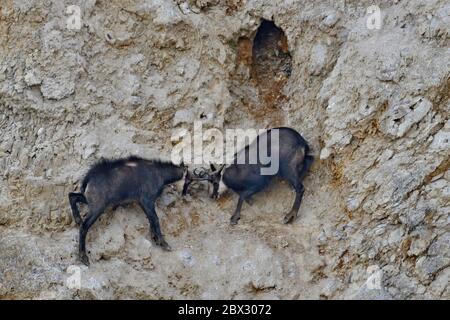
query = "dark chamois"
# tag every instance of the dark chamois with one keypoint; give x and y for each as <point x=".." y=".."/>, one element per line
<point x="116" y="182"/>
<point x="246" y="179"/>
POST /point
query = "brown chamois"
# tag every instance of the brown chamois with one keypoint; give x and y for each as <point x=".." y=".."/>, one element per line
<point x="246" y="178"/>
<point x="115" y="182"/>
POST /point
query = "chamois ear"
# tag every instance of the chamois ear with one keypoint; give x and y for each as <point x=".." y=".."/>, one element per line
<point x="221" y="168"/>
<point x="213" y="168"/>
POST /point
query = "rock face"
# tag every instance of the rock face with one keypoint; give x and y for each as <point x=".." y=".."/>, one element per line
<point x="121" y="77"/>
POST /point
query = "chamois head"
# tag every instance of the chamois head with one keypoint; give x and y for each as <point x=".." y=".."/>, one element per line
<point x="215" y="177"/>
<point x="201" y="174"/>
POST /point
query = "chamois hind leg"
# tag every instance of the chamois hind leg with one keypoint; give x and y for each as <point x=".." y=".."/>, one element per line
<point x="75" y="198"/>
<point x="94" y="213"/>
<point x="290" y="217"/>
<point x="245" y="196"/>
<point x="295" y="176"/>
<point x="148" y="206"/>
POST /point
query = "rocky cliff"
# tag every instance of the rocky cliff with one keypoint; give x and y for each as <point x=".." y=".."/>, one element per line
<point x="370" y="91"/>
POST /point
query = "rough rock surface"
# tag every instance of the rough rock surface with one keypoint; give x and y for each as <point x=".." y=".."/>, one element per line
<point x="374" y="104"/>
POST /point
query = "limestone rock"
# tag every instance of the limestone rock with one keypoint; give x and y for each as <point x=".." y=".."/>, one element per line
<point x="373" y="105"/>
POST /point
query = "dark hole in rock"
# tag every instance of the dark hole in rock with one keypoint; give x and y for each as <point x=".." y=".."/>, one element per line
<point x="271" y="66"/>
<point x="263" y="66"/>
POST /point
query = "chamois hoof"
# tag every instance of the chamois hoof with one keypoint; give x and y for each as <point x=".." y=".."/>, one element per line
<point x="249" y="201"/>
<point x="234" y="222"/>
<point x="163" y="244"/>
<point x="288" y="219"/>
<point x="84" y="259"/>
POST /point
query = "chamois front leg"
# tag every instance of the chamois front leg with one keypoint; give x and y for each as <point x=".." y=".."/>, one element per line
<point x="249" y="200"/>
<point x="237" y="214"/>
<point x="148" y="206"/>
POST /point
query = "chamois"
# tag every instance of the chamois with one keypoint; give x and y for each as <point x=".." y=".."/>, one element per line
<point x="121" y="181"/>
<point x="246" y="179"/>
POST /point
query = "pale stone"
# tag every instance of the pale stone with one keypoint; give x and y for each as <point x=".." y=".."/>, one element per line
<point x="372" y="103"/>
